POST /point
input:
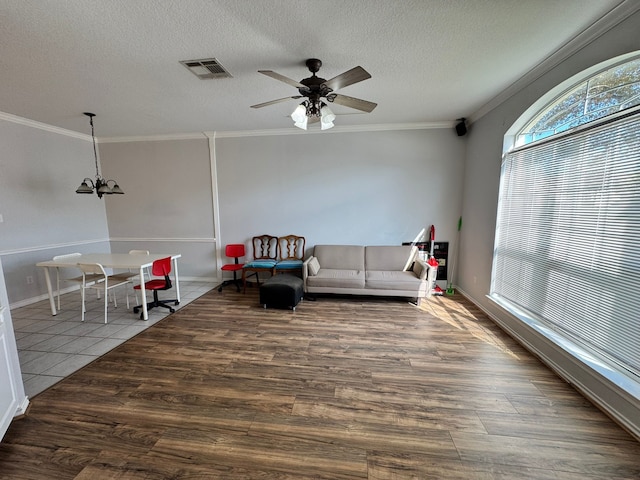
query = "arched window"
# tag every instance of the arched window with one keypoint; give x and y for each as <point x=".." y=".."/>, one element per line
<point x="567" y="246"/>
<point x="612" y="90"/>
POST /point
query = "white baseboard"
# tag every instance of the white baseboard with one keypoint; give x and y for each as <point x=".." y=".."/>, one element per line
<point x="22" y="407"/>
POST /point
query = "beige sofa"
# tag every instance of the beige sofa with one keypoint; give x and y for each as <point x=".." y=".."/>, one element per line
<point x="366" y="270"/>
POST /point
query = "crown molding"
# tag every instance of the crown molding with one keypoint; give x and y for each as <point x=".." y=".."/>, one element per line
<point x="43" y="126"/>
<point x="83" y="136"/>
<point x="616" y="15"/>
<point x="338" y="129"/>
<point x="279" y="132"/>
<point x="228" y="134"/>
<point x="154" y="138"/>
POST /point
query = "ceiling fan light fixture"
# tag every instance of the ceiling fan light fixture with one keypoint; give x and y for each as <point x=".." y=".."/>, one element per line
<point x="315" y="89"/>
<point x="300" y="113"/>
<point x="326" y="115"/>
<point x="302" y="124"/>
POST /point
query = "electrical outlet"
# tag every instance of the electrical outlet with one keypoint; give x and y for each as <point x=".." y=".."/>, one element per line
<point x="475" y="279"/>
<point x="29" y="280"/>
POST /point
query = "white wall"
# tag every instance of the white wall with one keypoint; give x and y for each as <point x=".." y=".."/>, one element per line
<point x="347" y="187"/>
<point x="356" y="187"/>
<point x="40" y="170"/>
<point x="370" y="188"/>
<point x="168" y="205"/>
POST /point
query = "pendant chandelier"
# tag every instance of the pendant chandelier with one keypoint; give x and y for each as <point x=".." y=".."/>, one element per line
<point x="101" y="186"/>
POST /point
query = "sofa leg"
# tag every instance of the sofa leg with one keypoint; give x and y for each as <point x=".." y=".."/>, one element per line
<point x="310" y="297"/>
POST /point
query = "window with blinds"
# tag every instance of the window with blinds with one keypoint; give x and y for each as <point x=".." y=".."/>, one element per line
<point x="567" y="248"/>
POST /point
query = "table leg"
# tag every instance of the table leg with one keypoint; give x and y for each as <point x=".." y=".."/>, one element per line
<point x="52" y="301"/>
<point x="175" y="269"/>
<point x="145" y="312"/>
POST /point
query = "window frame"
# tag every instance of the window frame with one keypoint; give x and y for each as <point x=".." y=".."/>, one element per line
<point x="629" y="381"/>
<point x="553" y="98"/>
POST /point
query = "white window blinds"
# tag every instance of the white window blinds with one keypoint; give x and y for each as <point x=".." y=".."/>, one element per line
<point x="567" y="247"/>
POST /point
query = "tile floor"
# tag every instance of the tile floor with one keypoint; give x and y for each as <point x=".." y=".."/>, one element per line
<point x="53" y="347"/>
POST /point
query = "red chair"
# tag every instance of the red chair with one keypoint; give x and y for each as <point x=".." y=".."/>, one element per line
<point x="235" y="251"/>
<point x="160" y="268"/>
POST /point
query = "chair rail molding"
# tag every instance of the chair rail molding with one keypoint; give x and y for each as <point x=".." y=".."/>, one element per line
<point x="39" y="248"/>
<point x="165" y="239"/>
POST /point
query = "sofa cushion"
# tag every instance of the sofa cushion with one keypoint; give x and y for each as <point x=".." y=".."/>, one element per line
<point x="289" y="265"/>
<point x="392" y="280"/>
<point x="338" y="278"/>
<point x="260" y="264"/>
<point x="420" y="270"/>
<point x="314" y="266"/>
<point x="347" y="257"/>
<point x="389" y="257"/>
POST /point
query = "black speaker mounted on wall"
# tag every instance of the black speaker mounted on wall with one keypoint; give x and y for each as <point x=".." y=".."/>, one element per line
<point x="461" y="127"/>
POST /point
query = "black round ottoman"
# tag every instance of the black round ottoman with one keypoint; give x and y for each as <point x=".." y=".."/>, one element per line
<point x="283" y="291"/>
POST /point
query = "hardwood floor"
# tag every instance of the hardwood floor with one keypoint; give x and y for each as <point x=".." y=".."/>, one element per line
<point x="342" y="388"/>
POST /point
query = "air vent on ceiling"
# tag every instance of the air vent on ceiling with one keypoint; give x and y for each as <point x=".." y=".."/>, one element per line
<point x="206" y="68"/>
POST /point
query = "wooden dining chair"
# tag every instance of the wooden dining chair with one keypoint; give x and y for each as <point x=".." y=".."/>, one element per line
<point x="265" y="257"/>
<point x="291" y="248"/>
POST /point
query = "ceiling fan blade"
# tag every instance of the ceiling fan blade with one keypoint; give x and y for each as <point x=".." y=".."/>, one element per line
<point x="356" y="103"/>
<point x="355" y="75"/>
<point x="282" y="78"/>
<point x="273" y="102"/>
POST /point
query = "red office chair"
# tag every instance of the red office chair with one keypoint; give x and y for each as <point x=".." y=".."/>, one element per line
<point x="160" y="268"/>
<point x="235" y="251"/>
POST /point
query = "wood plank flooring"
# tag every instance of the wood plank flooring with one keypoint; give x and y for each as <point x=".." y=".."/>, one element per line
<point x="342" y="388"/>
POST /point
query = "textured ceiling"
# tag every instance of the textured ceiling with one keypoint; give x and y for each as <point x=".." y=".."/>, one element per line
<point x="430" y="60"/>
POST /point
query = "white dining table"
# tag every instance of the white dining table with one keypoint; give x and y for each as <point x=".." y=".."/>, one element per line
<point x="132" y="261"/>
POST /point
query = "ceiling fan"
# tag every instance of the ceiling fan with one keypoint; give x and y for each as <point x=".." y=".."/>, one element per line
<point x="317" y="90"/>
